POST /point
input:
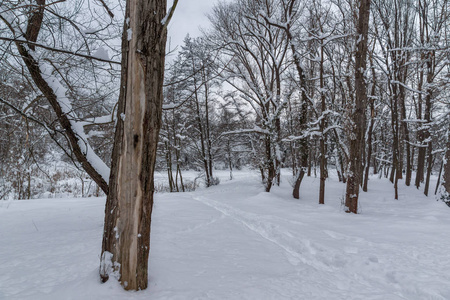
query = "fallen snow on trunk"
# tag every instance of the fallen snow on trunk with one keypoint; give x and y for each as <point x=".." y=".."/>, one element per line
<point x="234" y="241"/>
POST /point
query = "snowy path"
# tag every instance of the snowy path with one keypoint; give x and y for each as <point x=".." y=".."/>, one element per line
<point x="355" y="264"/>
<point x="234" y="241"/>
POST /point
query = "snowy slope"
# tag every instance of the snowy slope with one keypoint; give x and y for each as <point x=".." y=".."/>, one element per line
<point x="234" y="241"/>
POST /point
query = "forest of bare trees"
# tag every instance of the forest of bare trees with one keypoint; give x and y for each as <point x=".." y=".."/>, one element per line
<point x="360" y="87"/>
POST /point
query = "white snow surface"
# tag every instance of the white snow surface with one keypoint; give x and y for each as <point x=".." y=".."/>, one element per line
<point x="234" y="241"/>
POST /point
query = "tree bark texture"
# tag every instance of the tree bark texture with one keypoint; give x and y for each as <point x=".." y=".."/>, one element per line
<point x="126" y="239"/>
<point x="357" y="115"/>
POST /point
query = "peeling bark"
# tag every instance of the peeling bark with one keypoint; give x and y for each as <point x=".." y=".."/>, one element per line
<point x="126" y="239"/>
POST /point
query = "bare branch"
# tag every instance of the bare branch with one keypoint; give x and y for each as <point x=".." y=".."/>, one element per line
<point x="59" y="50"/>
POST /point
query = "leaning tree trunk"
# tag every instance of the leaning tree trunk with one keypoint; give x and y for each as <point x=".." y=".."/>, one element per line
<point x="95" y="168"/>
<point x="126" y="237"/>
<point x="357" y="116"/>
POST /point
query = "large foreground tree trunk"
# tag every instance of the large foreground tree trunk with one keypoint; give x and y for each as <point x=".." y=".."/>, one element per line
<point x="126" y="239"/>
<point x="357" y="115"/>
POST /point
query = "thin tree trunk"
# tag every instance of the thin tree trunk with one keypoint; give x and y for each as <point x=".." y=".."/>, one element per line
<point x="369" y="146"/>
<point x="179" y="170"/>
<point x="439" y="177"/>
<point x="405" y="130"/>
<point x="208" y="135"/>
<point x="323" y="151"/>
<point x="323" y="173"/>
<point x="304" y="150"/>
<point x="428" y="109"/>
<point x="230" y="165"/>
<point x="396" y="164"/>
<point x="169" y="166"/>
<point x="374" y="158"/>
<point x="420" y="161"/>
<point x="445" y="195"/>
<point x="357" y="116"/>
<point x="429" y="168"/>
<point x="421" y="132"/>
<point x="202" y="138"/>
<point x="370" y="129"/>
<point x="298" y="182"/>
<point x="309" y="162"/>
<point x="341" y="163"/>
<point x="271" y="172"/>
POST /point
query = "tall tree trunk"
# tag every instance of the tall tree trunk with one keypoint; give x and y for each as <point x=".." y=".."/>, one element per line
<point x="428" y="109"/>
<point x="323" y="150"/>
<point x="405" y="128"/>
<point x="303" y="118"/>
<point x="420" y="159"/>
<point x="207" y="132"/>
<point x="396" y="169"/>
<point x="445" y="194"/>
<point x="309" y="161"/>
<point x="429" y="168"/>
<point x="126" y="236"/>
<point x="202" y="132"/>
<point x="168" y="155"/>
<point x="357" y="116"/>
<point x="370" y="129"/>
<point x="178" y="156"/>
<point x="369" y="146"/>
<point x="271" y="172"/>
<point x="421" y="133"/>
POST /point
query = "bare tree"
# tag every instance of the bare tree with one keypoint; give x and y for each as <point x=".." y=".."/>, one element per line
<point x="254" y="54"/>
<point x="357" y="114"/>
<point x="50" y="73"/>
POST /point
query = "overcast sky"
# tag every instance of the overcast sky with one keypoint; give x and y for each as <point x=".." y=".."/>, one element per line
<point x="188" y="17"/>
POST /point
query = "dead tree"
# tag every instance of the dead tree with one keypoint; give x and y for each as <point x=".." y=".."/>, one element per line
<point x="126" y="236"/>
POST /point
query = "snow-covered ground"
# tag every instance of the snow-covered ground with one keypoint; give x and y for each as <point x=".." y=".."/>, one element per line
<point x="234" y="241"/>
